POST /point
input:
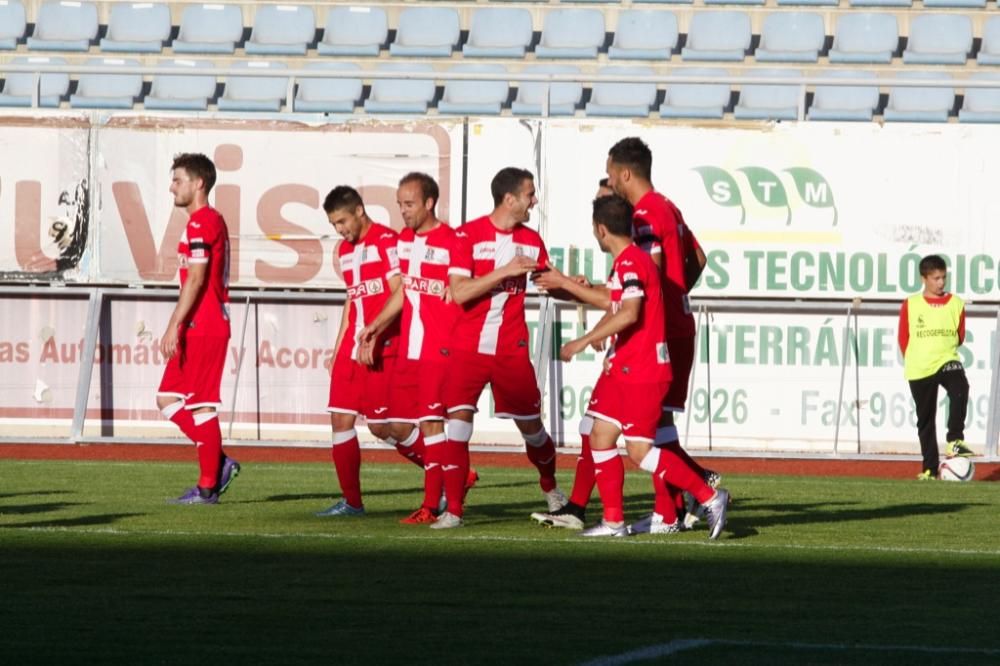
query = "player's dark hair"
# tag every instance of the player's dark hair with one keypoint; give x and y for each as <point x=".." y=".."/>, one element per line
<point x="197" y="166"/>
<point x="615" y="214"/>
<point x="428" y="186"/>
<point x="930" y="263"/>
<point x="633" y="153"/>
<point x="603" y="182"/>
<point x="508" y="181"/>
<point x="342" y="196"/>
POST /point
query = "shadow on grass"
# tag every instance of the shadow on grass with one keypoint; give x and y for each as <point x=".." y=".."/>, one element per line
<point x="45" y="507"/>
<point x="81" y="521"/>
<point x="821" y="512"/>
<point x="34" y="493"/>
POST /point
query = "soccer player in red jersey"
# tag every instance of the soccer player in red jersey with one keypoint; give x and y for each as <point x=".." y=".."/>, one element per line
<point x="636" y="378"/>
<point x="197" y="335"/>
<point x="416" y="402"/>
<point x="488" y="278"/>
<point x="359" y="379"/>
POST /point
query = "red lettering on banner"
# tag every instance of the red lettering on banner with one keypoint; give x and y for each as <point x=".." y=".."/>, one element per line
<point x="152" y="265"/>
<point x="229" y="157"/>
<point x="14" y="353"/>
<point x="272" y="224"/>
<point x="28" y="228"/>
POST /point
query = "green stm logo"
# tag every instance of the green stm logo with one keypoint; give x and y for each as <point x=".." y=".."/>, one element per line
<point x="767" y="188"/>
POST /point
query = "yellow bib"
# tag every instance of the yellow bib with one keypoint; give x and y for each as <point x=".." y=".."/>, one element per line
<point x="933" y="335"/>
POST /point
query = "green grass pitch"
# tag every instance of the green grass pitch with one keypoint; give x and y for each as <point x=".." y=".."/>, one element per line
<point x="95" y="568"/>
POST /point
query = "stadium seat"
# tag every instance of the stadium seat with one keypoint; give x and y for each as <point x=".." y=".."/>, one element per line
<point x="644" y="35"/>
<point x="808" y="3"/>
<point x="64" y="26"/>
<point x="916" y="104"/>
<point x="770" y="101"/>
<point x="329" y="95"/>
<point x="663" y="2"/>
<point x="137" y="28"/>
<point x="469" y="98"/>
<point x="354" y="31"/>
<point x="735" y="2"/>
<point x="107" y="91"/>
<point x="718" y="36"/>
<point x="282" y="30"/>
<point x="938" y="39"/>
<point x="989" y="50"/>
<point x="18" y="88"/>
<point x="563" y="97"/>
<point x="791" y="37"/>
<point x="624" y="100"/>
<point x="426" y="32"/>
<point x="981" y="105"/>
<point x="954" y="4"/>
<point x="255" y="93"/>
<point x="184" y="91"/>
<point x="571" y="33"/>
<point x="844" y="102"/>
<point x="401" y="95"/>
<point x="696" y="100"/>
<point x="865" y="38"/>
<point x="209" y="28"/>
<point x="498" y="33"/>
<point x="12" y="23"/>
<point x="881" y="3"/>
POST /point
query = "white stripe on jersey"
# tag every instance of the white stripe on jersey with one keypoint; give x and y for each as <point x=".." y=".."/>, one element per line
<point x="359" y="308"/>
<point x="368" y="255"/>
<point x="503" y="253"/>
<point x="416" y="338"/>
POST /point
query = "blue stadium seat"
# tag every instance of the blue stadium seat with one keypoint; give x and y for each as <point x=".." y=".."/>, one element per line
<point x="769" y="101"/>
<point x="808" y="3"/>
<point x="107" y="91"/>
<point x="498" y="33"/>
<point x="718" y="36"/>
<point x="863" y="37"/>
<point x="355" y="31"/>
<point x="329" y="95"/>
<point x="282" y="30"/>
<point x="981" y="105"/>
<point x="644" y="35"/>
<point x="881" y="3"/>
<point x="401" y="95"/>
<point x="12" y="23"/>
<point x="917" y="104"/>
<point x="791" y="37"/>
<point x="426" y="32"/>
<point x="18" y="88"/>
<point x="184" y="91"/>
<point x="255" y="93"/>
<point x="475" y="98"/>
<point x="663" y="2"/>
<point x="938" y="39"/>
<point x="625" y="100"/>
<point x="137" y="28"/>
<point x="563" y="97"/>
<point x="844" y="102"/>
<point x="571" y="33"/>
<point x="735" y="2"/>
<point x="209" y="28"/>
<point x="64" y="26"/>
<point x="696" y="100"/>
<point x="989" y="51"/>
<point x="954" y="4"/>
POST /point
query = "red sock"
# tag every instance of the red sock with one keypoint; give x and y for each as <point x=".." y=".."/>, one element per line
<point x="664" y="503"/>
<point x="542" y="454"/>
<point x="676" y="447"/>
<point x="181" y="417"/>
<point x="678" y="496"/>
<point x="456" y="469"/>
<point x="412" y="448"/>
<point x="676" y="472"/>
<point x="347" y="462"/>
<point x="208" y="442"/>
<point x="434" y="452"/>
<point x="609" y="471"/>
<point x="583" y="480"/>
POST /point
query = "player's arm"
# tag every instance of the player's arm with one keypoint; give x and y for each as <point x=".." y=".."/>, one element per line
<point x="903" y="334"/>
<point x="465" y="288"/>
<point x="369" y="334"/>
<point x="553" y="280"/>
<point x="612" y="324"/>
<point x="344" y="316"/>
<point x="197" y="276"/>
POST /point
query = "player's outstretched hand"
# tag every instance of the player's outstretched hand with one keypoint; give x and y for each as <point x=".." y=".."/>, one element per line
<point x="599" y="345"/>
<point x="520" y="265"/>
<point x="168" y="343"/>
<point x="571" y="349"/>
<point x="549" y="279"/>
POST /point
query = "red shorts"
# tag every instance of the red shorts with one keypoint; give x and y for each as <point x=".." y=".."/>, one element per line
<point x="634" y="408"/>
<point x="417" y="391"/>
<point x="681" y="352"/>
<point x="511" y="378"/>
<point x="359" y="389"/>
<point x="194" y="373"/>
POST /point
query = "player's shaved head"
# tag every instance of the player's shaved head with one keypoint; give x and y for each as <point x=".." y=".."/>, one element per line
<point x="508" y="181"/>
<point x="633" y="154"/>
<point x="342" y="196"/>
<point x="614" y="214"/>
<point x="197" y="166"/>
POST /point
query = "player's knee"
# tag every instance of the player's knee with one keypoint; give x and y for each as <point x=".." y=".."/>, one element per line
<point x="401" y="431"/>
<point x="380" y="430"/>
<point x="535" y="438"/>
<point x="169" y="405"/>
<point x="459" y="431"/>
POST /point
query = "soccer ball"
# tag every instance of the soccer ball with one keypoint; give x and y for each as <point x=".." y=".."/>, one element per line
<point x="956" y="469"/>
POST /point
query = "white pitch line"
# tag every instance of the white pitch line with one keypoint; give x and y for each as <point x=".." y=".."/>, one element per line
<point x="628" y="543"/>
<point x="681" y="645"/>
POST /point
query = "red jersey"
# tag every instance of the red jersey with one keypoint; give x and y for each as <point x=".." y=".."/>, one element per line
<point x="206" y="241"/>
<point x="367" y="266"/>
<point x="659" y="228"/>
<point x="427" y="320"/>
<point x="494" y="323"/>
<point x="638" y="354"/>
